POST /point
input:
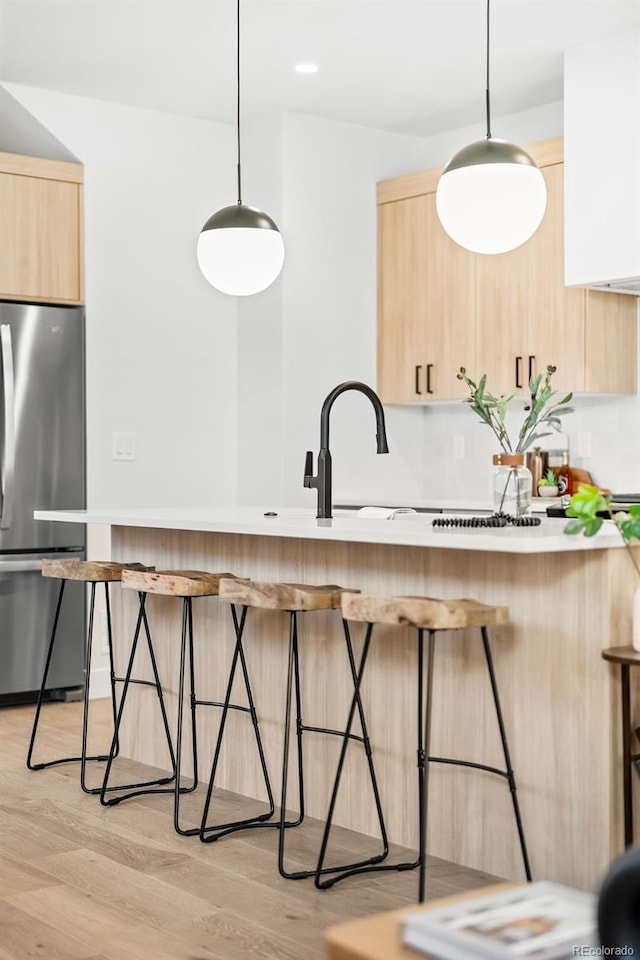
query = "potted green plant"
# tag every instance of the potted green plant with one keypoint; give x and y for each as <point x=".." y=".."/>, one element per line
<point x="544" y="410"/>
<point x="547" y="485"/>
<point x="586" y="508"/>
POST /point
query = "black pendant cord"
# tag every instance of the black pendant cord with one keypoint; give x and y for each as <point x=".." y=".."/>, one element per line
<point x="488" y="96"/>
<point x="238" y="103"/>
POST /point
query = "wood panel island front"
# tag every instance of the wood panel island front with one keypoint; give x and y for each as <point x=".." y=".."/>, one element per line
<point x="568" y="599"/>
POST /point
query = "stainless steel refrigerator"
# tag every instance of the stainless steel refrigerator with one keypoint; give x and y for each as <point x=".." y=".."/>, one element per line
<point x="42" y="467"/>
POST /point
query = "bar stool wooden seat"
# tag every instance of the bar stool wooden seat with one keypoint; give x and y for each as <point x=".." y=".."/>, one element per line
<point x="294" y="599"/>
<point x="434" y="616"/>
<point x="186" y="585"/>
<point x="93" y="572"/>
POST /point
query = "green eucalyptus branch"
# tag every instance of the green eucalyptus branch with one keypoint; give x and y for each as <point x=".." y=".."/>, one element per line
<point x="585" y="506"/>
<point x="543" y="410"/>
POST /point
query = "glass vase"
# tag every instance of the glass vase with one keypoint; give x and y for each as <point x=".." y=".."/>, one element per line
<point x="512" y="485"/>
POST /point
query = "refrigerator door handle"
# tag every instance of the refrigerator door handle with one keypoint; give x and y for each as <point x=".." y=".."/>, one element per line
<point x="32" y="564"/>
<point x="20" y="566"/>
<point x="7" y="472"/>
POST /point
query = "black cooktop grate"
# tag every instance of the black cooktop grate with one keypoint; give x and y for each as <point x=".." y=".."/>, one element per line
<point x="496" y="520"/>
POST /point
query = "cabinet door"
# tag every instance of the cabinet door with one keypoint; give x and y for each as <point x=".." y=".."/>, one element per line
<point x="611" y="331"/>
<point x="402" y="303"/>
<point x="447" y="338"/>
<point x="556" y="313"/>
<point x="502" y="320"/>
<point x="39" y="238"/>
<point x="425" y="305"/>
<point x="526" y="318"/>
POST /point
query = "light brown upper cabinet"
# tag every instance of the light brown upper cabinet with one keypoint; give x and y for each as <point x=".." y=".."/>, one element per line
<point x="425" y="315"/>
<point x="441" y="307"/>
<point x="41" y="239"/>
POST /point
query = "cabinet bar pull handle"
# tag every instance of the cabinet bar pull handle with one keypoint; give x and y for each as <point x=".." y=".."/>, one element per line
<point x="418" y="390"/>
<point x="429" y="369"/>
<point x="518" y="362"/>
<point x="532" y="357"/>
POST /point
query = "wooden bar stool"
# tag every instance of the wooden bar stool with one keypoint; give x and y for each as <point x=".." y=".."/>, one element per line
<point x="93" y="572"/>
<point x="186" y="585"/>
<point x="434" y="616"/>
<point x="627" y="657"/>
<point x="293" y="599"/>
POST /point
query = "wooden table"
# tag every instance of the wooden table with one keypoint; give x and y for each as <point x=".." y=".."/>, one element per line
<point x="378" y="937"/>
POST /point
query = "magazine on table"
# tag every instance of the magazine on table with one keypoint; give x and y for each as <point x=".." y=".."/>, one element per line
<point x="536" y="921"/>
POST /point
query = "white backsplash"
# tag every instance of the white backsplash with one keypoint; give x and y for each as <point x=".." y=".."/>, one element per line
<point x="425" y="462"/>
<point x="612" y="422"/>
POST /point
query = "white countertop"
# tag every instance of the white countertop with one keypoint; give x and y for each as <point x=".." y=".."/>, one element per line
<point x="414" y="530"/>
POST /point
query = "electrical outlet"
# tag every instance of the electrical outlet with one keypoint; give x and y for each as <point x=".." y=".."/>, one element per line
<point x="124" y="446"/>
<point x="584" y="445"/>
<point x="458" y="447"/>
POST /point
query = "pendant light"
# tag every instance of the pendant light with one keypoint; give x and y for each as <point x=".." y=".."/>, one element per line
<point x="240" y="249"/>
<point x="491" y="196"/>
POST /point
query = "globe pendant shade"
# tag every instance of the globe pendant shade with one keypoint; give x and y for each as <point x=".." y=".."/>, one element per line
<point x="240" y="250"/>
<point x="491" y="197"/>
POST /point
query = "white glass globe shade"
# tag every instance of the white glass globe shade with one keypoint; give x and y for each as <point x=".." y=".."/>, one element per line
<point x="240" y="261"/>
<point x="491" y="207"/>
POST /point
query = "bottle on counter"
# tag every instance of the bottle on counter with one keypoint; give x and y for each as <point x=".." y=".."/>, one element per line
<point x="536" y="462"/>
<point x="559" y="462"/>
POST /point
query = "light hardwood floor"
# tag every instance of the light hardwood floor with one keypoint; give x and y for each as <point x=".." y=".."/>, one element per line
<point x="83" y="882"/>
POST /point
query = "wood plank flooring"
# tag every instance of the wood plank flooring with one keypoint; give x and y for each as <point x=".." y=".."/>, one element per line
<point x="82" y="882"/>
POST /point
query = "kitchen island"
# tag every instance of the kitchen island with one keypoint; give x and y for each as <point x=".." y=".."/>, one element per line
<point x="569" y="597"/>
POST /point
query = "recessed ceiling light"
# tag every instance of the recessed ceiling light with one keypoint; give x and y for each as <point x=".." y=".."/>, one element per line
<point x="306" y="68"/>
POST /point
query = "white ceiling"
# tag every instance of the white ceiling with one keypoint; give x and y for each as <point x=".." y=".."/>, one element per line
<point x="415" y="66"/>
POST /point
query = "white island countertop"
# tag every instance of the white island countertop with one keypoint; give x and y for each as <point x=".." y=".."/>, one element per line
<point x="415" y="530"/>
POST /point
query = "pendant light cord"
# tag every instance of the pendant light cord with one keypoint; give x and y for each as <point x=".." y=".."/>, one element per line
<point x="238" y="103"/>
<point x="488" y="96"/>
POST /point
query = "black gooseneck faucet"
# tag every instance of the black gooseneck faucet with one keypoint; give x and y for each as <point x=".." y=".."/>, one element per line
<point x="322" y="481"/>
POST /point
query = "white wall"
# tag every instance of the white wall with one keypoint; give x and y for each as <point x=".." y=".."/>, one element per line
<point x="329" y="306"/>
<point x="161" y="343"/>
<point x="260" y="331"/>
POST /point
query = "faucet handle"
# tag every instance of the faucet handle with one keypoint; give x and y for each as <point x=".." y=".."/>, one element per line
<point x="308" y="468"/>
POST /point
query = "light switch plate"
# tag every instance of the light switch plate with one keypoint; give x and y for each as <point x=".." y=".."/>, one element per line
<point x="124" y="446"/>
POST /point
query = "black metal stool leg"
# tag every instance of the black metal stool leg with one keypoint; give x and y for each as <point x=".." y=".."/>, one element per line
<point x="83" y="758"/>
<point x="135" y="788"/>
<point x="505" y="748"/>
<point x="187" y="631"/>
<point x="43" y="685"/>
<point x="112" y="669"/>
<point x="209" y="834"/>
<point x="192" y="699"/>
<point x="363" y="866"/>
<point x="424" y="799"/>
<point x="293" y="684"/>
<point x="256" y="730"/>
<point x="367" y="745"/>
<point x="320" y="869"/>
<point x="85" y="699"/>
<point x="85" y="704"/>
<point x="374" y="864"/>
